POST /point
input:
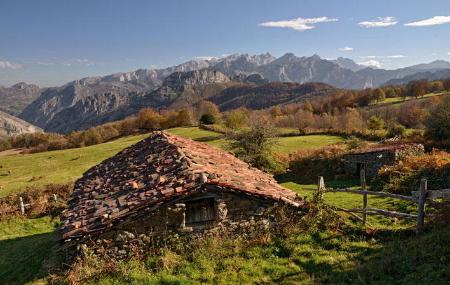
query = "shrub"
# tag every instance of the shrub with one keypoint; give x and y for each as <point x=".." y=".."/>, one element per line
<point x="438" y="122"/>
<point x="404" y="176"/>
<point x="375" y="123"/>
<point x="396" y="130"/>
<point x="207" y="119"/>
<point x="307" y="165"/>
<point x="4" y="144"/>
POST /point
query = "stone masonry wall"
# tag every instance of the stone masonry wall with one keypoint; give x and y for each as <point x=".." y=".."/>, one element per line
<point x="234" y="214"/>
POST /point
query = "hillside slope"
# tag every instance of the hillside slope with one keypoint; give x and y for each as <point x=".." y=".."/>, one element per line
<point x="10" y="125"/>
<point x="267" y="95"/>
<point x="15" y="98"/>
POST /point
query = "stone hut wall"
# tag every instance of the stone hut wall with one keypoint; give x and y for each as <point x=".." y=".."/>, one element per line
<point x="234" y="213"/>
<point x="373" y="161"/>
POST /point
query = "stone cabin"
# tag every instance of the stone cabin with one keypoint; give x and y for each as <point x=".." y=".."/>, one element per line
<point x="373" y="159"/>
<point x="166" y="184"/>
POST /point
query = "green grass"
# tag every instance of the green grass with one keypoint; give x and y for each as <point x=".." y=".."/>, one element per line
<point x="283" y="144"/>
<point x="293" y="144"/>
<point x="60" y="166"/>
<point x="197" y="134"/>
<point x="350" y="201"/>
<point x="25" y="248"/>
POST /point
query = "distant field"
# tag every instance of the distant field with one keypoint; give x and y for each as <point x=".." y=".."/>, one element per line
<point x="399" y="100"/>
<point x="282" y="144"/>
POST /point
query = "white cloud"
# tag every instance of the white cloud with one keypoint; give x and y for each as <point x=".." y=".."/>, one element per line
<point x="436" y="20"/>
<point x="4" y="64"/>
<point x="395" y="56"/>
<point x="383" y="56"/>
<point x="346" y="49"/>
<point x="371" y="63"/>
<point x="379" y="23"/>
<point x="206" y="57"/>
<point x="298" y="24"/>
<point x="69" y="62"/>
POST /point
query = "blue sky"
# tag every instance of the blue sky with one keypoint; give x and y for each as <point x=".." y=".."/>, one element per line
<point x="52" y="42"/>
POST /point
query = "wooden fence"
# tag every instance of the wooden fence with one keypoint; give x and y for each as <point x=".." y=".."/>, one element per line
<point x="23" y="206"/>
<point x="420" y="197"/>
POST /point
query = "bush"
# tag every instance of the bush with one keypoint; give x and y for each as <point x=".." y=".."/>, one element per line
<point x="438" y="122"/>
<point x="396" y="130"/>
<point x="307" y="165"/>
<point x="4" y="144"/>
<point x="404" y="176"/>
<point x="207" y="119"/>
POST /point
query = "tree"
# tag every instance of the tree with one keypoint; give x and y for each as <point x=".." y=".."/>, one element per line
<point x="437" y="86"/>
<point x="149" y="119"/>
<point x="446" y="83"/>
<point x="207" y="119"/>
<point x="308" y="106"/>
<point x="378" y="94"/>
<point x="276" y="111"/>
<point x="236" y="119"/>
<point x="417" y="88"/>
<point x="183" y="118"/>
<point x="375" y="123"/>
<point x="303" y="120"/>
<point x="253" y="145"/>
<point x="438" y="122"/>
<point x="390" y="92"/>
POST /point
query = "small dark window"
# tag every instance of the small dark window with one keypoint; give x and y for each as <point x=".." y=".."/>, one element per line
<point x="200" y="211"/>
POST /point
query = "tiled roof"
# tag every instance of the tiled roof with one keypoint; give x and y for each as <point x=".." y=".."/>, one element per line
<point x="156" y="170"/>
<point x="391" y="147"/>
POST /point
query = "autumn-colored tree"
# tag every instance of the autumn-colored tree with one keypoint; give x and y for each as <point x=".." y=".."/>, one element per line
<point x="207" y="107"/>
<point x="438" y="122"/>
<point x="236" y="119"/>
<point x="309" y="107"/>
<point x="183" y="118"/>
<point x="148" y="119"/>
<point x="378" y="94"/>
<point x="390" y="92"/>
<point x="411" y="114"/>
<point x="446" y="83"/>
<point x="417" y="88"/>
<point x="276" y="111"/>
<point x="437" y="86"/>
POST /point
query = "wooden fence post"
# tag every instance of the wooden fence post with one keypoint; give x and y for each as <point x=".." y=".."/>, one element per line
<point x="22" y="206"/>
<point x="362" y="177"/>
<point x="320" y="188"/>
<point x="421" y="207"/>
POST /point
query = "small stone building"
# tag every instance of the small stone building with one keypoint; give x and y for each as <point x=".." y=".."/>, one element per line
<point x="166" y="184"/>
<point x="373" y="159"/>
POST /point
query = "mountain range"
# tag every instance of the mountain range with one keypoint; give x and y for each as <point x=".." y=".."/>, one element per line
<point x="231" y="81"/>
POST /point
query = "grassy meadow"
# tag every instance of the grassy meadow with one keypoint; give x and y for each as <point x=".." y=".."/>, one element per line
<point x="391" y="256"/>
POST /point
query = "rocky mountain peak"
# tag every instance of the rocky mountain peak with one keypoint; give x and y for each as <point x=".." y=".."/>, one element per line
<point x="195" y="77"/>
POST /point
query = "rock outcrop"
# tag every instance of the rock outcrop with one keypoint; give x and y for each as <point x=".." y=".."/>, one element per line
<point x="10" y="125"/>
